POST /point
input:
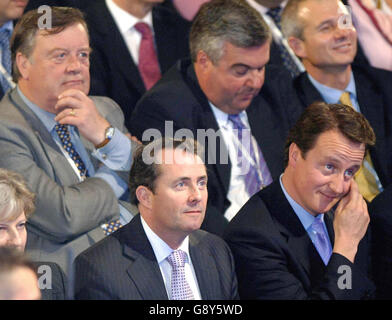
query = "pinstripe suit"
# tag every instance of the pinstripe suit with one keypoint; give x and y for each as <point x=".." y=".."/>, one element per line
<point x="123" y="266"/>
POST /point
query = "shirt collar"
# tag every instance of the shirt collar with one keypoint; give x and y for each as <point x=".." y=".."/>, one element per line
<point x="304" y="216"/>
<point x="332" y="95"/>
<point x="161" y="248"/>
<point x="47" y="118"/>
<point x="223" y="118"/>
<point x="124" y="20"/>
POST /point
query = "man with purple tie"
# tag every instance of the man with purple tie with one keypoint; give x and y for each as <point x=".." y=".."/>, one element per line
<point x="226" y="90"/>
<point x="305" y="236"/>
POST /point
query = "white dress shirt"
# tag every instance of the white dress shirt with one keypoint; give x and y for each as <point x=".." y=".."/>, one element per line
<point x="237" y="193"/>
<point x="126" y="25"/>
<point x="162" y="251"/>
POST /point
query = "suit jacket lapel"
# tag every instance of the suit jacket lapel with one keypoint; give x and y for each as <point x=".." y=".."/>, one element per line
<point x="48" y="145"/>
<point x="307" y="93"/>
<point x="102" y="20"/>
<point x="143" y="268"/>
<point x="207" y="277"/>
<point x="265" y="130"/>
<point x="206" y="120"/>
<point x="292" y="229"/>
<point x="372" y="105"/>
<point x="165" y="39"/>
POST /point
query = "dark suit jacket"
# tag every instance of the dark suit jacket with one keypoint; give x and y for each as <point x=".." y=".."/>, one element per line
<point x="51" y="273"/>
<point x="124" y="266"/>
<point x="375" y="100"/>
<point x="275" y="258"/>
<point x="113" y="71"/>
<point x="177" y="97"/>
<point x="381" y="226"/>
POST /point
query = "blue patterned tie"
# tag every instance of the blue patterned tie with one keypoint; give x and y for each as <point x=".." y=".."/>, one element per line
<point x="253" y="180"/>
<point x="321" y="241"/>
<point x="63" y="133"/>
<point x="180" y="289"/>
<point x="5" y="57"/>
<point x="275" y="14"/>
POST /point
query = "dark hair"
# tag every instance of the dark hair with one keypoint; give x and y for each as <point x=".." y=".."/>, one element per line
<point x="145" y="168"/>
<point x="320" y="117"/>
<point x="24" y="35"/>
<point x="221" y="21"/>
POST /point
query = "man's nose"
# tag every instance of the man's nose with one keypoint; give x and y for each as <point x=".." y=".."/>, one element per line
<point x="256" y="79"/>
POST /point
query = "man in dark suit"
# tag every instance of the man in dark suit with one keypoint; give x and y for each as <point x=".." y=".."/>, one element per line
<point x="229" y="49"/>
<point x="168" y="182"/>
<point x="287" y="241"/>
<point x="321" y="34"/>
<point x="116" y="43"/>
<point x="326" y="42"/>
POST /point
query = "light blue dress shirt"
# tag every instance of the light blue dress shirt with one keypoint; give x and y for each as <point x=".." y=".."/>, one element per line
<point x="121" y="160"/>
<point x="332" y="95"/>
<point x="305" y="217"/>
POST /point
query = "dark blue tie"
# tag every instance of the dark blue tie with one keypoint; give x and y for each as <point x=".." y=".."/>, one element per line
<point x="63" y="133"/>
<point x="5" y="57"/>
<point x="275" y="14"/>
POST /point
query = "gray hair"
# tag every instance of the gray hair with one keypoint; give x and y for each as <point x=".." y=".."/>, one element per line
<point x="221" y="21"/>
<point x="15" y="197"/>
<point x="292" y="25"/>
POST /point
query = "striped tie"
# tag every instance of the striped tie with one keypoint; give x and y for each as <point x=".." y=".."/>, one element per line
<point x="63" y="133"/>
<point x="364" y="177"/>
<point x="257" y="174"/>
<point x="275" y="14"/>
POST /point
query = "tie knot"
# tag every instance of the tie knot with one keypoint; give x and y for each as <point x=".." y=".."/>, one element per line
<point x="144" y="29"/>
<point x="61" y="128"/>
<point x="236" y="120"/>
<point x="275" y="14"/>
<point x="345" y="98"/>
<point x="317" y="225"/>
<point x="177" y="259"/>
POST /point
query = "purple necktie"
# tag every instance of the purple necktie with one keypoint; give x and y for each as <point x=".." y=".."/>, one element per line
<point x="258" y="175"/>
<point x="180" y="289"/>
<point x="148" y="61"/>
<point x="321" y="241"/>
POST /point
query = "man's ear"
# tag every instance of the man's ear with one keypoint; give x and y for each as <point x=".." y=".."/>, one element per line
<point x="23" y="64"/>
<point x="202" y="60"/>
<point x="144" y="196"/>
<point x="297" y="45"/>
<point x="294" y="155"/>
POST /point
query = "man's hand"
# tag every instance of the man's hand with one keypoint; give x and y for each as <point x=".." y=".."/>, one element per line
<point x="350" y="222"/>
<point x="77" y="109"/>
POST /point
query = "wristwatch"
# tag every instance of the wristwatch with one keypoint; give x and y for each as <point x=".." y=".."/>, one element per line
<point x="109" y="132"/>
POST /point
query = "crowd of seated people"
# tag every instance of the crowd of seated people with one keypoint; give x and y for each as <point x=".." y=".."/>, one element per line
<point x="143" y="140"/>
